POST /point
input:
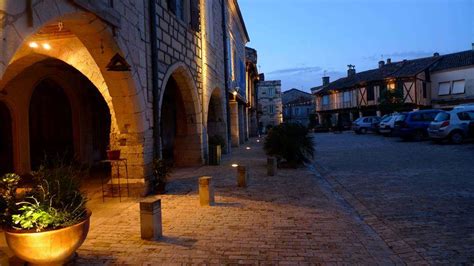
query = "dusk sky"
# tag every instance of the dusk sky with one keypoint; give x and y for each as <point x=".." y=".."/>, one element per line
<point x="298" y="40"/>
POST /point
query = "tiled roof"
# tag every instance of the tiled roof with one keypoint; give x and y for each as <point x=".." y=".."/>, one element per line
<point x="456" y="60"/>
<point x="406" y="68"/>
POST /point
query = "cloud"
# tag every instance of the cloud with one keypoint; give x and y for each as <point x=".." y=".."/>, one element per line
<point x="303" y="78"/>
<point x="400" y="55"/>
<point x="295" y="70"/>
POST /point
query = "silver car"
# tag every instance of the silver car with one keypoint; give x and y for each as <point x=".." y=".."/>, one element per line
<point x="387" y="124"/>
<point x="365" y="124"/>
<point x="453" y="125"/>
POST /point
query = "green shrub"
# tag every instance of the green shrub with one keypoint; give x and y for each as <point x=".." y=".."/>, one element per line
<point x="291" y="143"/>
<point x="161" y="173"/>
<point x="217" y="140"/>
<point x="54" y="201"/>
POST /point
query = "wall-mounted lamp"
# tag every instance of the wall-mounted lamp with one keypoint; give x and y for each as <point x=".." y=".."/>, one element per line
<point x="33" y="45"/>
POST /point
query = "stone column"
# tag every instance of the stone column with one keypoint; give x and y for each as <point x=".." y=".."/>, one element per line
<point x="241" y="124"/>
<point x="246" y="123"/>
<point x="206" y="191"/>
<point x="234" y="123"/>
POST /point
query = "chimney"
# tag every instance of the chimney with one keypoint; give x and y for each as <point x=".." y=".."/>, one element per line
<point x="351" y="71"/>
<point x="436" y="54"/>
<point x="325" y="80"/>
<point x="381" y="63"/>
<point x="389" y="61"/>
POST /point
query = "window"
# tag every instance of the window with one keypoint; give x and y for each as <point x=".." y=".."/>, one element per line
<point x="464" y="116"/>
<point x="210" y="21"/>
<point x="180" y="11"/>
<point x="347" y="97"/>
<point x="325" y="99"/>
<point x="443" y="116"/>
<point x="444" y="88"/>
<point x="416" y="118"/>
<point x="187" y="11"/>
<point x="370" y="93"/>
<point x="271" y="92"/>
<point x="458" y="87"/>
<point x="271" y="109"/>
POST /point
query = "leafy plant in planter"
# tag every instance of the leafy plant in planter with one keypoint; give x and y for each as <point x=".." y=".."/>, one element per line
<point x="49" y="221"/>
<point x="290" y="143"/>
<point x="161" y="173"/>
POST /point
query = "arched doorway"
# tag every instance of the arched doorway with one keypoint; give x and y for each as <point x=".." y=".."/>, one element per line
<point x="180" y="119"/>
<point x="216" y="125"/>
<point x="50" y="118"/>
<point x="6" y="141"/>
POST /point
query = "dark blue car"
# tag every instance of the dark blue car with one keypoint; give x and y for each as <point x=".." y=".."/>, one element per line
<point x="414" y="125"/>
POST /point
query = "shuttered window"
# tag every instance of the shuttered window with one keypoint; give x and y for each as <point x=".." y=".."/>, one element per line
<point x="444" y="88"/>
<point x="458" y="87"/>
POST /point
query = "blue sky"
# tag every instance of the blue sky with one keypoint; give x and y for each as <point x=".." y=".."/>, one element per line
<point x="299" y="40"/>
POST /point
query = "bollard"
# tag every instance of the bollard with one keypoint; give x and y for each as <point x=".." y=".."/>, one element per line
<point x="150" y="220"/>
<point x="271" y="166"/>
<point x="206" y="191"/>
<point x="242" y="176"/>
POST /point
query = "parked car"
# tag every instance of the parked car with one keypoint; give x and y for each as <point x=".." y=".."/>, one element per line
<point x="454" y="126"/>
<point x="414" y="125"/>
<point x="365" y="124"/>
<point x="386" y="126"/>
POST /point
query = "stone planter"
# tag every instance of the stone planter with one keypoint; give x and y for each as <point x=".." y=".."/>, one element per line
<point x="215" y="154"/>
<point x="53" y="247"/>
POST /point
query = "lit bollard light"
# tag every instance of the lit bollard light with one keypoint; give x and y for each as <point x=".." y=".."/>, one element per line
<point x="271" y="166"/>
<point x="206" y="191"/>
<point x="242" y="176"/>
<point x="150" y="220"/>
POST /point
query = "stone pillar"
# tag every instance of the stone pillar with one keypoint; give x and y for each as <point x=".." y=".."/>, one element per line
<point x="234" y="123"/>
<point x="206" y="191"/>
<point x="246" y="123"/>
<point x="271" y="166"/>
<point x="320" y="119"/>
<point x="351" y="116"/>
<point x="241" y="124"/>
<point x="379" y="113"/>
<point x="150" y="220"/>
<point x="242" y="176"/>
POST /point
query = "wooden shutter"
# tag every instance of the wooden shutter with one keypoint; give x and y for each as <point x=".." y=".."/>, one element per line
<point x="172" y="6"/>
<point x="195" y="16"/>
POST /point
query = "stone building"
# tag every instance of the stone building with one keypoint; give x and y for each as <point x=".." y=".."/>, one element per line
<point x="270" y="106"/>
<point x="145" y="77"/>
<point x="298" y="106"/>
<point x="252" y="80"/>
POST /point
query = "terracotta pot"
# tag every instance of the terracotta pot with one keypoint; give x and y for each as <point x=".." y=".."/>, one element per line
<point x="53" y="247"/>
<point x="113" y="154"/>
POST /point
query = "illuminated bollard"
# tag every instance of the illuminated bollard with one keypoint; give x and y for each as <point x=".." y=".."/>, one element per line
<point x="242" y="176"/>
<point x="150" y="220"/>
<point x="206" y="191"/>
<point x="271" y="166"/>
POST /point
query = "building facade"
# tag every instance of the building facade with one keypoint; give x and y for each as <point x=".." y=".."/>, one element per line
<point x="298" y="106"/>
<point x="147" y="78"/>
<point x="440" y="81"/>
<point x="270" y="106"/>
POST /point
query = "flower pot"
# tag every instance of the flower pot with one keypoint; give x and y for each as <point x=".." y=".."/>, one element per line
<point x="113" y="154"/>
<point x="53" y="247"/>
<point x="215" y="154"/>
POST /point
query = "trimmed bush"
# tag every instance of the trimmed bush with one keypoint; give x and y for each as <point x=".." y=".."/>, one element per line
<point x="291" y="143"/>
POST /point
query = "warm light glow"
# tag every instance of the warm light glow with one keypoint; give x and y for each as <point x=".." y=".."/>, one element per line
<point x="235" y="165"/>
<point x="391" y="86"/>
<point x="46" y="46"/>
<point x="234" y="93"/>
<point x="33" y="45"/>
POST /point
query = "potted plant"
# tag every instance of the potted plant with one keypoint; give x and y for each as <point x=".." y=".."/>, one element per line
<point x="216" y="145"/>
<point x="161" y="172"/>
<point x="291" y="144"/>
<point x="46" y="223"/>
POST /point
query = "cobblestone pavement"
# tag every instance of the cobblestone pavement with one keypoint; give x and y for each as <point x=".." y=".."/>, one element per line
<point x="292" y="218"/>
<point x="416" y="196"/>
